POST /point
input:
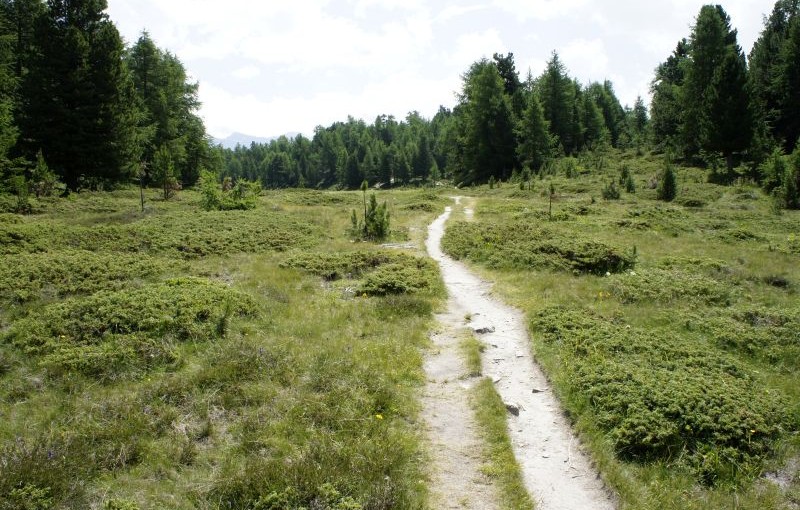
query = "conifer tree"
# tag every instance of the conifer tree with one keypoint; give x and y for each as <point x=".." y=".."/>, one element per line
<point x="666" y="110"/>
<point x="726" y="126"/>
<point x="715" y="80"/>
<point x="77" y="98"/>
<point x="771" y="63"/>
<point x="534" y="138"/>
<point x="668" y="186"/>
<point x="489" y="141"/>
<point x="557" y="95"/>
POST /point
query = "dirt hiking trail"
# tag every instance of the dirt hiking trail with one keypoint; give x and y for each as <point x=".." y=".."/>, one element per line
<point x="456" y="449"/>
<point x="557" y="473"/>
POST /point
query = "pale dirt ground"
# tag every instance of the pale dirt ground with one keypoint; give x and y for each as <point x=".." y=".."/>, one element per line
<point x="556" y="471"/>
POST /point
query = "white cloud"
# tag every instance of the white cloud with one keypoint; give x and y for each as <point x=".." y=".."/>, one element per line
<point x="587" y="56"/>
<point x="247" y="72"/>
<point x="541" y="9"/>
<point x="472" y="47"/>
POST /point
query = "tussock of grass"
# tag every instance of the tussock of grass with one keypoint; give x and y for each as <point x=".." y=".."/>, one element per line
<point x="501" y="464"/>
<point x="472" y="348"/>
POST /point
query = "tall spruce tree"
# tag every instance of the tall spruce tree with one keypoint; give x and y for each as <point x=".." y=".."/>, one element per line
<point x="78" y="100"/>
<point x="770" y="59"/>
<point x="557" y="95"/>
<point x="534" y="137"/>
<point x="788" y="121"/>
<point x="489" y="142"/>
<point x="726" y="126"/>
<point x="8" y="89"/>
<point x="21" y="16"/>
<point x="713" y="57"/>
<point x="666" y="110"/>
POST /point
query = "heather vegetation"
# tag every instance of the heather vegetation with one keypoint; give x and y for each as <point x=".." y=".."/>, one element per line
<point x="240" y="359"/>
<point x="187" y="326"/>
<point x="679" y="367"/>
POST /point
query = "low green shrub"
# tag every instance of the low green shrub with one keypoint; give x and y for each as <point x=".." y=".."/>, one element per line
<point x="383" y="273"/>
<point x="611" y="191"/>
<point x="68" y="272"/>
<point x="521" y="245"/>
<point x="189" y="235"/>
<point x="669" y="286"/>
<point x="664" y="397"/>
<point x="401" y="279"/>
<point x="770" y="335"/>
<point x="242" y="195"/>
<point x="110" y="333"/>
<point x="338" y="265"/>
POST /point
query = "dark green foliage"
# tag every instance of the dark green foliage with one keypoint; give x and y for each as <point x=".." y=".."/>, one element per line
<point x="670" y="286"/>
<point x="611" y="191"/>
<point x="164" y="173"/>
<point x="43" y="181"/>
<point x="169" y="119"/>
<point x="773" y="170"/>
<point x="668" y="184"/>
<point x="488" y="137"/>
<point x="389" y="279"/>
<point x="241" y="196"/>
<point x="774" y="74"/>
<point x="535" y="143"/>
<point x="626" y="179"/>
<point x="666" y="108"/>
<point x="187" y="235"/>
<point x="727" y="123"/>
<point x="108" y="333"/>
<point x="382" y="272"/>
<point x="64" y="273"/>
<point x="375" y="226"/>
<point x="767" y="334"/>
<point x="666" y="398"/>
<point x="524" y="246"/>
<point x="710" y="40"/>
<point x="78" y="100"/>
<point x="334" y="266"/>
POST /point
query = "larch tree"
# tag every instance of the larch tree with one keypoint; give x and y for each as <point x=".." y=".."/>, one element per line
<point x="170" y="105"/>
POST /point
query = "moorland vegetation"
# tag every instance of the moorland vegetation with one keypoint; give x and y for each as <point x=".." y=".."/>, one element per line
<point x="195" y="327"/>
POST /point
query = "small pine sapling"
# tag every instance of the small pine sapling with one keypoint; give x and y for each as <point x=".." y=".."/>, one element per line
<point x="668" y="188"/>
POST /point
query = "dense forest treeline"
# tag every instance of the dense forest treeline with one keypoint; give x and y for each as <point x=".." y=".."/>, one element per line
<point x="77" y="104"/>
<point x="500" y="126"/>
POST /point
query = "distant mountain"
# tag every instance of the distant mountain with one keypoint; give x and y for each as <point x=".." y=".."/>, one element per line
<point x="245" y="140"/>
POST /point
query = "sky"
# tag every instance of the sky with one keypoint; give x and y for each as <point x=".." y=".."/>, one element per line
<point x="267" y="68"/>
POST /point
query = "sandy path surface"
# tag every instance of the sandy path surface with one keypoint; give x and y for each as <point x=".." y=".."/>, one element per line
<point x="557" y="473"/>
<point x="456" y="450"/>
